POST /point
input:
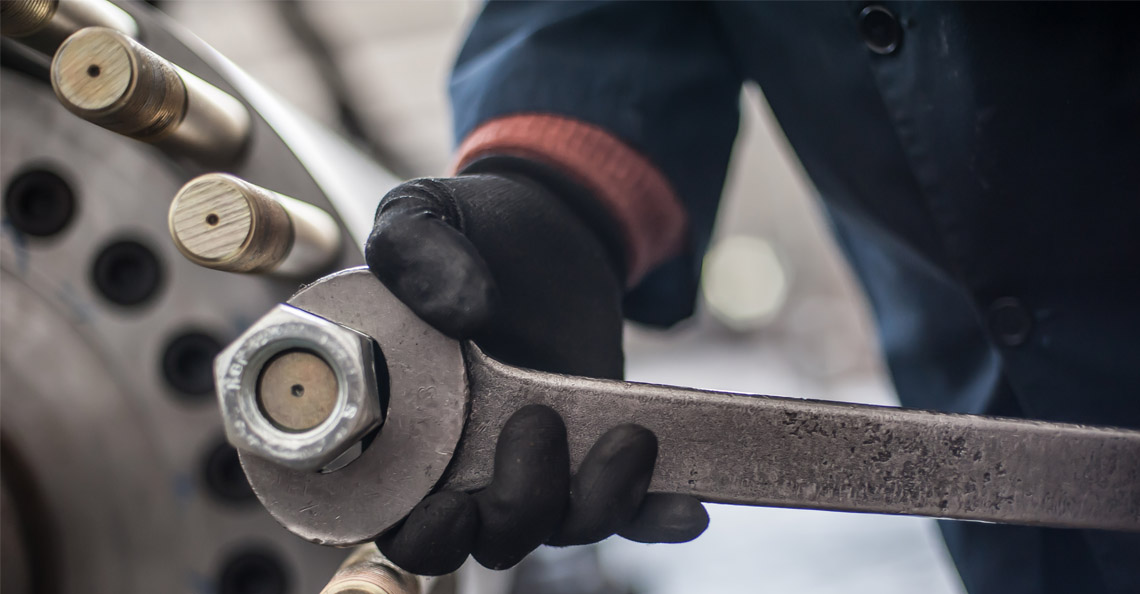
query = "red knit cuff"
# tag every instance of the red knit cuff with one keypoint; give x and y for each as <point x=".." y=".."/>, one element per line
<point x="631" y="188"/>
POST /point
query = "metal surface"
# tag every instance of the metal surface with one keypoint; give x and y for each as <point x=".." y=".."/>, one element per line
<point x="239" y="370"/>
<point x="297" y="390"/>
<point x="346" y="177"/>
<point x="51" y="421"/>
<point x="728" y="448"/>
<point x="44" y="24"/>
<point x="316" y="239"/>
<point x="426" y="410"/>
<point x="222" y="222"/>
<point x="366" y="571"/>
<point x="16" y="576"/>
<point x="785" y="452"/>
<point x="219" y="222"/>
<point x="20" y="19"/>
<point x="133" y="488"/>
<point x="109" y="79"/>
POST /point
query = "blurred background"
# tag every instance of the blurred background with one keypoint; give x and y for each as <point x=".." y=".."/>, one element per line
<point x="780" y="313"/>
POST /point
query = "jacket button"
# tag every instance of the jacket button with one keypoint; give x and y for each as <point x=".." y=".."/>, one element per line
<point x="880" y="29"/>
<point x="1009" y="321"/>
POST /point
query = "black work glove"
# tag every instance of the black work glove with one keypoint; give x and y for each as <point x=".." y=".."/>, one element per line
<point x="523" y="262"/>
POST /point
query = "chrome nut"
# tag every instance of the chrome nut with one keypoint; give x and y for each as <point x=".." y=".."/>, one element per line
<point x="285" y="350"/>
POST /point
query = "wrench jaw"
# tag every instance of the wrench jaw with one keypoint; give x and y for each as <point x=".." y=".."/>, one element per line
<point x="427" y="409"/>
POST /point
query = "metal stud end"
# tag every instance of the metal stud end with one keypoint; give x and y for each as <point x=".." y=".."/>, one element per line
<point x="225" y="223"/>
<point x="109" y="79"/>
<point x="298" y="390"/>
<point x="366" y="571"/>
<point x="44" y="24"/>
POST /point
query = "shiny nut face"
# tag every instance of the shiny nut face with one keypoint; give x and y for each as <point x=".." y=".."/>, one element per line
<point x="297" y="389"/>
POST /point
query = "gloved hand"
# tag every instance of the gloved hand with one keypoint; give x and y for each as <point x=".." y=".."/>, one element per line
<point x="524" y="262"/>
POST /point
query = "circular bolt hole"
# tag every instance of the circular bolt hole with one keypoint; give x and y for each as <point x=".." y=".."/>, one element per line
<point x="297" y="390"/>
<point x="93" y="71"/>
<point x="39" y="203"/>
<point x="127" y="273"/>
<point x="188" y="363"/>
<point x="211" y="219"/>
<point x="223" y="475"/>
<point x="253" y="572"/>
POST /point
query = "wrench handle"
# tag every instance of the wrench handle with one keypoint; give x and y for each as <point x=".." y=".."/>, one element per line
<point x="785" y="452"/>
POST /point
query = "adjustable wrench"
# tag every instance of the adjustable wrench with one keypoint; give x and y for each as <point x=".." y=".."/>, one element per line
<point x="443" y="403"/>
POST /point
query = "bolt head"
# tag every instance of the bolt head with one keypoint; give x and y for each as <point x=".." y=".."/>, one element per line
<point x="302" y="435"/>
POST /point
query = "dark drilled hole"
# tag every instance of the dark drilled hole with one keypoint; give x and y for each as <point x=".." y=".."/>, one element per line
<point x="223" y="475"/>
<point x="253" y="572"/>
<point x="127" y="273"/>
<point x="39" y="203"/>
<point x="188" y="363"/>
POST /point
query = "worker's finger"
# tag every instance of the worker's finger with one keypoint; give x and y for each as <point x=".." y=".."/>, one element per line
<point x="437" y="536"/>
<point x="526" y="499"/>
<point x="418" y="252"/>
<point x="667" y="517"/>
<point x="610" y="485"/>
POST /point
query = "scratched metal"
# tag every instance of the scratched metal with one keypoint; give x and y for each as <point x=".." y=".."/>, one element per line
<point x="426" y="409"/>
<point x="728" y="448"/>
<point x="785" y="452"/>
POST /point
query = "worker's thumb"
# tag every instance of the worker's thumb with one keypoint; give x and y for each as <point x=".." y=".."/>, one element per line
<point x="417" y="250"/>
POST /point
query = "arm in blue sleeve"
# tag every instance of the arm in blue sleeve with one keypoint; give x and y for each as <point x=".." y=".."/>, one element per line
<point x="659" y="76"/>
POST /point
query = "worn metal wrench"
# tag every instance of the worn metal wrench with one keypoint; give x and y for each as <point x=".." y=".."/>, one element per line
<point x="442" y="403"/>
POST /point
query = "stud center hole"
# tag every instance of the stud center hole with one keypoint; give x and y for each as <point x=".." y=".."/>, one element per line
<point x="93" y="70"/>
<point x="212" y="219"/>
<point x="297" y="390"/>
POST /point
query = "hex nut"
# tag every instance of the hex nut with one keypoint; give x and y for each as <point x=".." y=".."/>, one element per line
<point x="358" y="409"/>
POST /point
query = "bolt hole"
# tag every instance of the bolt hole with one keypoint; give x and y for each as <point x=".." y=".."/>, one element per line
<point x="188" y="365"/>
<point x="93" y="71"/>
<point x="223" y="475"/>
<point x="297" y="390"/>
<point x="253" y="572"/>
<point x="211" y="219"/>
<point x="127" y="273"/>
<point x="39" y="203"/>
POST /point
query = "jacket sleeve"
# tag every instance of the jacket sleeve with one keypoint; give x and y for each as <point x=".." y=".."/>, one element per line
<point x="654" y="80"/>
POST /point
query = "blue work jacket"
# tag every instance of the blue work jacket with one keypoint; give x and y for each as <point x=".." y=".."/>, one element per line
<point x="980" y="167"/>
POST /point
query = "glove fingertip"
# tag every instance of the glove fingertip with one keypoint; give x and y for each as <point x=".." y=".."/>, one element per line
<point x="527" y="496"/>
<point x="609" y="486"/>
<point x="500" y="558"/>
<point x="534" y="419"/>
<point x="641" y="443"/>
<point x="667" y="518"/>
<point x="433" y="269"/>
<point x="437" y="536"/>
